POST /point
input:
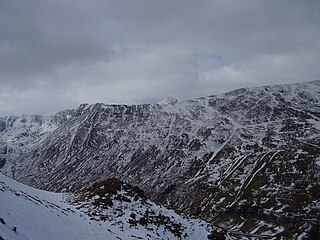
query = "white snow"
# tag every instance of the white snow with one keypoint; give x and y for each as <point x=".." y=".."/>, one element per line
<point x="42" y="215"/>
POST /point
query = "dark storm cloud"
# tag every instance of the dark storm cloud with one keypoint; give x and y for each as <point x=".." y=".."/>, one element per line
<point x="130" y="51"/>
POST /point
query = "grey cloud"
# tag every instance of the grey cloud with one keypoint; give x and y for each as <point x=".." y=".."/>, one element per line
<point x="134" y="51"/>
<point x="36" y="39"/>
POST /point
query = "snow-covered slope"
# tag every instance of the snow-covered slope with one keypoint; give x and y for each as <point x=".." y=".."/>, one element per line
<point x="42" y="215"/>
<point x="18" y="134"/>
<point x="247" y="160"/>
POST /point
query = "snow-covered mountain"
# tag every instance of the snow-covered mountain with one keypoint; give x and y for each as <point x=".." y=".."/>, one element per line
<point x="107" y="210"/>
<point x="247" y="160"/>
<point x="19" y="134"/>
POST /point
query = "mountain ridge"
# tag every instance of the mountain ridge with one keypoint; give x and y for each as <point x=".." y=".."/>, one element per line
<point x="221" y="157"/>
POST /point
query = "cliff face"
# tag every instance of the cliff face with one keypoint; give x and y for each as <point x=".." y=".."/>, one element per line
<point x="245" y="159"/>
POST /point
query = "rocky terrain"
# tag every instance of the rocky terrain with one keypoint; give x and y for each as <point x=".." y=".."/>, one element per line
<point x="108" y="209"/>
<point x="246" y="161"/>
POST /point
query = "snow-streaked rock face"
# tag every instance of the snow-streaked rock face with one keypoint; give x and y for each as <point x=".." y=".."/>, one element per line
<point x="18" y="134"/>
<point x="247" y="160"/>
<point x="37" y="214"/>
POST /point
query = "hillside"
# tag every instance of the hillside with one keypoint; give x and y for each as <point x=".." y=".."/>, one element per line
<point x="37" y="214"/>
<point x="247" y="160"/>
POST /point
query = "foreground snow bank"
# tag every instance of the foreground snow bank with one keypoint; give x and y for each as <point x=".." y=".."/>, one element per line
<point x="38" y="214"/>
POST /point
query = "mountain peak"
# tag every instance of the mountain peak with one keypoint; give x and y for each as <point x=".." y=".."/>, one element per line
<point x="169" y="101"/>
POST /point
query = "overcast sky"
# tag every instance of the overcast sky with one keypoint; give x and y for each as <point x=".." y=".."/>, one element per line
<point x="57" y="54"/>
